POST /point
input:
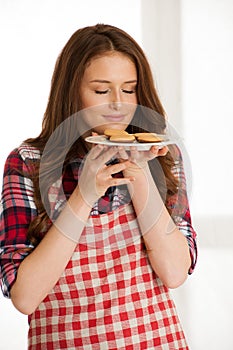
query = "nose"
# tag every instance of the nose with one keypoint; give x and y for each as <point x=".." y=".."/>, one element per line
<point x="115" y="102"/>
<point x="116" y="106"/>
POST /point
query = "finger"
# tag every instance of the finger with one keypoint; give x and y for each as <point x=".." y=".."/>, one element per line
<point x="153" y="152"/>
<point x="116" y="168"/>
<point x="134" y="154"/>
<point x="94" y="133"/>
<point x="121" y="181"/>
<point x="122" y="153"/>
<point x="95" y="152"/>
<point x="163" y="151"/>
<point x="104" y="157"/>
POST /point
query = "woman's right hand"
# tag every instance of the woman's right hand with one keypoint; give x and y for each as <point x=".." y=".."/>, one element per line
<point x="96" y="176"/>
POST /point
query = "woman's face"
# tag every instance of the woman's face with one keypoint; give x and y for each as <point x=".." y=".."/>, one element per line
<point x="108" y="92"/>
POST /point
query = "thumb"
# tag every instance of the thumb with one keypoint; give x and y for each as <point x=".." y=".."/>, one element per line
<point x="93" y="134"/>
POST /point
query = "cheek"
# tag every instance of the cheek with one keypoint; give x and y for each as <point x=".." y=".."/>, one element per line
<point x="87" y="101"/>
<point x="134" y="99"/>
<point x="91" y="100"/>
<point x="91" y="115"/>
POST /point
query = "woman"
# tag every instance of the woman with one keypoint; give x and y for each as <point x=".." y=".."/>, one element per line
<point x="92" y="238"/>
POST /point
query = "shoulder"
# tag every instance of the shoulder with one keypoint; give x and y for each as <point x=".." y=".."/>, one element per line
<point x="21" y="157"/>
<point x="27" y="152"/>
<point x="24" y="151"/>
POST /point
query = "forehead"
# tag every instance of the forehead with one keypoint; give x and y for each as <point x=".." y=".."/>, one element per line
<point x="111" y="63"/>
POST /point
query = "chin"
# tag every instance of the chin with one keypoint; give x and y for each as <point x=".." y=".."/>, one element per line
<point x="117" y="126"/>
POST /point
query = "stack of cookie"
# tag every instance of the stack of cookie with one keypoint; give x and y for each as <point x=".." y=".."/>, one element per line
<point x="115" y="135"/>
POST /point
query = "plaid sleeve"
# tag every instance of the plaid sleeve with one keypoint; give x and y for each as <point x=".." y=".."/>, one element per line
<point x="179" y="207"/>
<point x="16" y="212"/>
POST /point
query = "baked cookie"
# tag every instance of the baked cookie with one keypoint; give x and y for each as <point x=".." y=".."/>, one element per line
<point x="137" y="134"/>
<point x="122" y="138"/>
<point x="112" y="132"/>
<point x="148" y="137"/>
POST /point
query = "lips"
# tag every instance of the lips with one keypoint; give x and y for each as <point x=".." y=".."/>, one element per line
<point x="114" y="118"/>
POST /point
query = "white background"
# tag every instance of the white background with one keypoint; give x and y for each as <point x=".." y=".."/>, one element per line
<point x="189" y="45"/>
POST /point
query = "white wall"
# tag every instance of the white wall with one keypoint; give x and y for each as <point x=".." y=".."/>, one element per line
<point x="161" y="38"/>
<point x="192" y="54"/>
<point x="189" y="44"/>
<point x="207" y="105"/>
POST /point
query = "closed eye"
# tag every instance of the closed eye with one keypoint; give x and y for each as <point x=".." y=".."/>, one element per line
<point x="101" y="92"/>
<point x="128" y="91"/>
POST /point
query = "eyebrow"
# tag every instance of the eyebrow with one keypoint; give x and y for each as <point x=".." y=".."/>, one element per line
<point x="108" y="82"/>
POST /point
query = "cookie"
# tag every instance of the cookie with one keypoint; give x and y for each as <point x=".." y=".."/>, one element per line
<point x="137" y="134"/>
<point x="112" y="132"/>
<point x="148" y="137"/>
<point x="122" y="138"/>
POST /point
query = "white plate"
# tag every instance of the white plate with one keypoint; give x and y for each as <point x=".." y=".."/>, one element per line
<point x="102" y="140"/>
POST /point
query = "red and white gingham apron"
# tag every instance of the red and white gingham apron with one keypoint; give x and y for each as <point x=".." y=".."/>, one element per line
<point x="108" y="296"/>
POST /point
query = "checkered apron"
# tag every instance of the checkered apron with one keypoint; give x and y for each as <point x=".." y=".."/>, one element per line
<point x="108" y="296"/>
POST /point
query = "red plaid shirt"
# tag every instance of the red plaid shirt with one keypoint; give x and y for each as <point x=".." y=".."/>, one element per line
<point x="18" y="209"/>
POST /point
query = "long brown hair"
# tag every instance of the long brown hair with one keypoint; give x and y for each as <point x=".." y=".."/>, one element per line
<point x="65" y="100"/>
